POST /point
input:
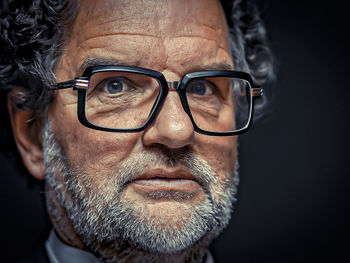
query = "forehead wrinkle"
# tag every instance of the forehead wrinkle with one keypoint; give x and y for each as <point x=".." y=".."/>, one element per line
<point x="192" y="29"/>
<point x="116" y="34"/>
<point x="197" y="36"/>
<point x="119" y="20"/>
<point x="213" y="27"/>
<point x="126" y="26"/>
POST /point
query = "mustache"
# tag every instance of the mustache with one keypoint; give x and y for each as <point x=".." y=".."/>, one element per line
<point x="164" y="157"/>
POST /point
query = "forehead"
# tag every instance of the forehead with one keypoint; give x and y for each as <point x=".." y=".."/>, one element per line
<point x="164" y="11"/>
<point x="157" y="34"/>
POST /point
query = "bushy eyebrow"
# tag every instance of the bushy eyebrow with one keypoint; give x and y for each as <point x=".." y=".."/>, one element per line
<point x="217" y="66"/>
<point x="224" y="65"/>
<point x="93" y="61"/>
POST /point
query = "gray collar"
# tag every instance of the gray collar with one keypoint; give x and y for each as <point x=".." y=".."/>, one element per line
<point x="59" y="252"/>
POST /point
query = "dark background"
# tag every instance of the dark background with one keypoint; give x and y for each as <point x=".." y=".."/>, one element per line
<point x="295" y="177"/>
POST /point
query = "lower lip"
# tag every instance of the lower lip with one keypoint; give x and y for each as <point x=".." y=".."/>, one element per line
<point x="186" y="185"/>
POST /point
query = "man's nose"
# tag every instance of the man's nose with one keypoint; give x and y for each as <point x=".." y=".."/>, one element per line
<point x="172" y="127"/>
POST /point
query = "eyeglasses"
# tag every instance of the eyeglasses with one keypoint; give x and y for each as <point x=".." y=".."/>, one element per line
<point x="128" y="99"/>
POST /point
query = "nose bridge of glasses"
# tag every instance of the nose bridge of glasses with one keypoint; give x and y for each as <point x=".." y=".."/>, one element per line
<point x="172" y="85"/>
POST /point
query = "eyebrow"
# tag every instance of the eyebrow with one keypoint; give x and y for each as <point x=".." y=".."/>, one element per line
<point x="224" y="65"/>
<point x="217" y="66"/>
<point x="93" y="61"/>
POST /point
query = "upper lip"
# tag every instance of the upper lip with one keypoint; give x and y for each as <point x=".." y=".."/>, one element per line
<point x="161" y="173"/>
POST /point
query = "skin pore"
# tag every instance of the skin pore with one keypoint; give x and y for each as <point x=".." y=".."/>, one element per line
<point x="188" y="36"/>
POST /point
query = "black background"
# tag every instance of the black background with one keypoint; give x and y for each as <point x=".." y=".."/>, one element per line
<point x="294" y="192"/>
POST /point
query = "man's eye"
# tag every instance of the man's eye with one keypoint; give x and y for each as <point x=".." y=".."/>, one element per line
<point x="115" y="85"/>
<point x="201" y="87"/>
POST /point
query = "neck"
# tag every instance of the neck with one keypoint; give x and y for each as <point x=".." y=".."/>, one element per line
<point x="59" y="218"/>
<point x="124" y="253"/>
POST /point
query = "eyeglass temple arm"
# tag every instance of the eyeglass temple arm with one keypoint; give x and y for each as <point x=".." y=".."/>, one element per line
<point x="63" y="85"/>
<point x="257" y="92"/>
<point x="76" y="83"/>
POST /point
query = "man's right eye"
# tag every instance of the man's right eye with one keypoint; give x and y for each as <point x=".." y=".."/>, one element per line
<point x="115" y="85"/>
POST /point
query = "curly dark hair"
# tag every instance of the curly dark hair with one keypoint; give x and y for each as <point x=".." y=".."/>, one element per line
<point x="33" y="34"/>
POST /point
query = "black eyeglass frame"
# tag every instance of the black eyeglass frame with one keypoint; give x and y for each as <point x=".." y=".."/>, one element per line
<point x="81" y="85"/>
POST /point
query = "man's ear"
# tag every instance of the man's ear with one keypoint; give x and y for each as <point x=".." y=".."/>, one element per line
<point x="27" y="134"/>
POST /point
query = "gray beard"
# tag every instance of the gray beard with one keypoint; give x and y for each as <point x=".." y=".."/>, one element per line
<point x="112" y="227"/>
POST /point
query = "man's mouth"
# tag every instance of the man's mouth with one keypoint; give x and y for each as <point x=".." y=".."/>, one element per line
<point x="165" y="180"/>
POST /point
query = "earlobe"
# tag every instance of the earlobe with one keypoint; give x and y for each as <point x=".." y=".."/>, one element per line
<point x="27" y="136"/>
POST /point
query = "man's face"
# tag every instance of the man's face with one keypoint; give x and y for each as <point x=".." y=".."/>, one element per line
<point x="178" y="172"/>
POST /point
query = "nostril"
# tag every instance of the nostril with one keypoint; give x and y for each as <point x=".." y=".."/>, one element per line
<point x="168" y="156"/>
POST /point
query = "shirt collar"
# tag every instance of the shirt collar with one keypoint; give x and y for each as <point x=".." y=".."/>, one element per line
<point x="59" y="252"/>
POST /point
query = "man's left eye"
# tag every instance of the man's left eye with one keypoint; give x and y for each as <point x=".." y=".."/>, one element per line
<point x="114" y="86"/>
<point x="201" y="87"/>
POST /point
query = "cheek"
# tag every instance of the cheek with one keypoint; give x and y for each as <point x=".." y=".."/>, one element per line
<point x="93" y="152"/>
<point x="220" y="153"/>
